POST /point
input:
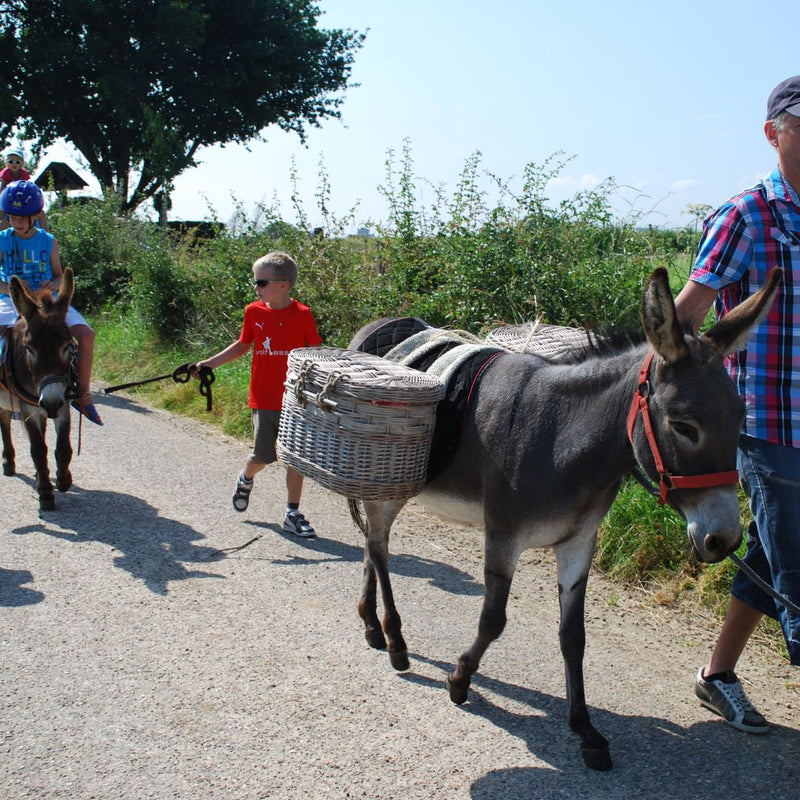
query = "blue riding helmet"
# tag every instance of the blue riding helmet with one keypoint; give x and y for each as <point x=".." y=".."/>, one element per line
<point x="22" y="199"/>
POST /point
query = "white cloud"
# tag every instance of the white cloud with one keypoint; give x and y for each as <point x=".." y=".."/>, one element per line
<point x="589" y="181"/>
<point x="683" y="184"/>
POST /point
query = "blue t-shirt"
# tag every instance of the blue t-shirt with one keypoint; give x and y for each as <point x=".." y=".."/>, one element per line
<point x="29" y="259"/>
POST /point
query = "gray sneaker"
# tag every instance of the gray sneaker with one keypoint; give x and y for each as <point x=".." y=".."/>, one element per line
<point x="241" y="497"/>
<point x="726" y="697"/>
<point x="296" y="523"/>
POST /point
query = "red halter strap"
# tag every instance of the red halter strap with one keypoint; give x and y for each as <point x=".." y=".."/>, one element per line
<point x="666" y="481"/>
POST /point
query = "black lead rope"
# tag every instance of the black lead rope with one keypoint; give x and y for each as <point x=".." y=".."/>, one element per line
<point x="754" y="576"/>
<point x="180" y="374"/>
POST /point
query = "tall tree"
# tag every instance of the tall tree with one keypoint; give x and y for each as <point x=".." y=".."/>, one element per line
<point x="137" y="86"/>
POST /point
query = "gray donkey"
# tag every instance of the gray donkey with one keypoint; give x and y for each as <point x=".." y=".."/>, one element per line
<point x="534" y="452"/>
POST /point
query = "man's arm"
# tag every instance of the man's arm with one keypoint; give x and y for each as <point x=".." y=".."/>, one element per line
<point x="693" y="302"/>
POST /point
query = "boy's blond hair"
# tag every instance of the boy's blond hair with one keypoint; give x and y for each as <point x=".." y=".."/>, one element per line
<point x="281" y="265"/>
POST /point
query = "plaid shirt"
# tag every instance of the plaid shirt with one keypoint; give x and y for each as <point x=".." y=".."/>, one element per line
<point x="742" y="240"/>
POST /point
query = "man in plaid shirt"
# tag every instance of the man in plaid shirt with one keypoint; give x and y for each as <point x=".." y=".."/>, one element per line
<point x="742" y="241"/>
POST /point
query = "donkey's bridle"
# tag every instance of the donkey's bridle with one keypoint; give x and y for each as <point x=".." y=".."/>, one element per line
<point x="666" y="481"/>
<point x="9" y="379"/>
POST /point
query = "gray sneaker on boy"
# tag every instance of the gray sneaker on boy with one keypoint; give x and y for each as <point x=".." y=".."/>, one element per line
<point x="296" y="523"/>
<point x="241" y="497"/>
<point x="724" y="695"/>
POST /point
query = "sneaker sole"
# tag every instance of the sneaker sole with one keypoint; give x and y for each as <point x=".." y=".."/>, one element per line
<point x="758" y="731"/>
<point x="301" y="534"/>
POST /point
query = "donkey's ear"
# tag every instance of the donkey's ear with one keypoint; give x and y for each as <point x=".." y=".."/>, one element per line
<point x="66" y="290"/>
<point x="660" y="320"/>
<point x="731" y="332"/>
<point x="21" y="297"/>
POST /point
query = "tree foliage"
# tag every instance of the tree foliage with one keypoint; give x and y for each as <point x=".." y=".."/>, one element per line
<point x="138" y="86"/>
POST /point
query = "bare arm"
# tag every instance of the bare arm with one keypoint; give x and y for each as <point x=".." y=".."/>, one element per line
<point x="230" y="353"/>
<point x="693" y="302"/>
<point x="55" y="267"/>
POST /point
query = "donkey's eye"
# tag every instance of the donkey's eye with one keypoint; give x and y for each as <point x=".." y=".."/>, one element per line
<point x="686" y="431"/>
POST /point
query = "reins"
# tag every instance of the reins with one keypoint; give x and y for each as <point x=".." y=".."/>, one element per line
<point x="180" y="374"/>
<point x="667" y="482"/>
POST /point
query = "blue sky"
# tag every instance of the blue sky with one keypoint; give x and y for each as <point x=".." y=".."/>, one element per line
<point x="667" y="100"/>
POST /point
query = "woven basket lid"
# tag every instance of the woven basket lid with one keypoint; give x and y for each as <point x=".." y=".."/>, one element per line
<point x="550" y="341"/>
<point x="362" y="376"/>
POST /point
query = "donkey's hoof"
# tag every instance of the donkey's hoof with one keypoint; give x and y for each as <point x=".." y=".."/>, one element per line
<point x="598" y="758"/>
<point x="9" y="470"/>
<point x="47" y="503"/>
<point x="64" y="483"/>
<point x="376" y="639"/>
<point x="399" y="660"/>
<point x="458" y="692"/>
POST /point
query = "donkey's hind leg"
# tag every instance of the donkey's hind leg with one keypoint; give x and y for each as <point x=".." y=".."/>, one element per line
<point x="573" y="558"/>
<point x="380" y="516"/>
<point x="497" y="575"/>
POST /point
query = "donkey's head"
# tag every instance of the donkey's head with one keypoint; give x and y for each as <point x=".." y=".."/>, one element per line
<point x="695" y="414"/>
<point x="44" y="342"/>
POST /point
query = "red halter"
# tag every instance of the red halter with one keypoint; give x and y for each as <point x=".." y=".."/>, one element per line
<point x="666" y="481"/>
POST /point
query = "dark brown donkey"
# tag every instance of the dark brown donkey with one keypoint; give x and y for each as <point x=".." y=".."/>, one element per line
<point x="33" y="381"/>
<point x="540" y="453"/>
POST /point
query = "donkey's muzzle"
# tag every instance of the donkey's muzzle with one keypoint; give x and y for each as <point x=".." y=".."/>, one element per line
<point x="52" y="391"/>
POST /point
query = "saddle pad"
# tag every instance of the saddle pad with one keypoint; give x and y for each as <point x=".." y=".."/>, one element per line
<point x="413" y="349"/>
<point x="460" y="368"/>
<point x="457" y="364"/>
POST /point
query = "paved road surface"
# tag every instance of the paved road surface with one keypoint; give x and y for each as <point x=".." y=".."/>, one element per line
<point x="142" y="660"/>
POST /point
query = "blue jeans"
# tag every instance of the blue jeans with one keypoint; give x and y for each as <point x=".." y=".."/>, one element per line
<point x="770" y="476"/>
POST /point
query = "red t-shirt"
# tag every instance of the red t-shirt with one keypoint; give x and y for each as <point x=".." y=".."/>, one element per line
<point x="7" y="176"/>
<point x="273" y="334"/>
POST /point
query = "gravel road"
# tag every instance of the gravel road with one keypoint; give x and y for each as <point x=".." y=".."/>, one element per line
<point x="145" y="656"/>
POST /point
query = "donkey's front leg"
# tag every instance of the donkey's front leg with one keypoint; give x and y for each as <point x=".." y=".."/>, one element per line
<point x="9" y="456"/>
<point x="380" y="516"/>
<point x="573" y="558"/>
<point x="36" y="434"/>
<point x="63" y="452"/>
<point x="497" y="575"/>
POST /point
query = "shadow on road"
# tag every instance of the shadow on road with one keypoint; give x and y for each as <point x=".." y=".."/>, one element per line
<point x="12" y="589"/>
<point x="653" y="757"/>
<point x="436" y="573"/>
<point x="150" y="547"/>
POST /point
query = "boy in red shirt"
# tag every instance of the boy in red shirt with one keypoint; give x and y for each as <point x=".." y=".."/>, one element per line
<point x="273" y="326"/>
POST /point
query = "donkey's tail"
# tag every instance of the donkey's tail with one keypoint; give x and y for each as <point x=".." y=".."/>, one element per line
<point x="356" y="516"/>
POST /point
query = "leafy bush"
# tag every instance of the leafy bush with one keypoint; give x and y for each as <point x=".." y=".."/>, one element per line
<point x="100" y="246"/>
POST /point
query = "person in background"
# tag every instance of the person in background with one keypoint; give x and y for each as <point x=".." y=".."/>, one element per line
<point x="741" y="242"/>
<point x="15" y="168"/>
<point x="273" y="325"/>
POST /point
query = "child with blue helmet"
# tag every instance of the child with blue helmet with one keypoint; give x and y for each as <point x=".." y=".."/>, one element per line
<point x="32" y="254"/>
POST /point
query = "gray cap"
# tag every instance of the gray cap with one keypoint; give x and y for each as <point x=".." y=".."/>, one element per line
<point x="785" y="97"/>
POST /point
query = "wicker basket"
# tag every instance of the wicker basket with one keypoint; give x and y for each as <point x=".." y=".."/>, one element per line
<point x="551" y="341"/>
<point x="358" y="424"/>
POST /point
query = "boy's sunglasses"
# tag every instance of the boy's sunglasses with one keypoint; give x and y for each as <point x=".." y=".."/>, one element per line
<point x="262" y="282"/>
<point x="12" y="161"/>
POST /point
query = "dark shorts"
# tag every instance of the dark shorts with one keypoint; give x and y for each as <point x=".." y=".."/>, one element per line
<point x="265" y="435"/>
<point x="770" y="475"/>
